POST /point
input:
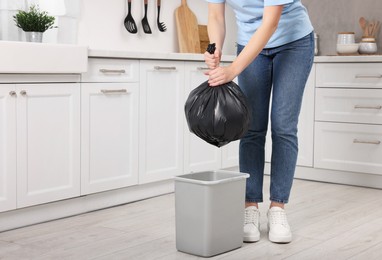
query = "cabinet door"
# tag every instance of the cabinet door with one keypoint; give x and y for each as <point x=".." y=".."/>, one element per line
<point x="230" y="155"/>
<point x="109" y="136"/>
<point x="306" y="124"/>
<point x="305" y="127"/>
<point x="48" y="143"/>
<point x="161" y="120"/>
<point x="198" y="154"/>
<point x="7" y="147"/>
<point x="348" y="147"/>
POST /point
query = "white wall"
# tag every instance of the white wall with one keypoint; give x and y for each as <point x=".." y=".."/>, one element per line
<point x="66" y="13"/>
<point x="101" y="25"/>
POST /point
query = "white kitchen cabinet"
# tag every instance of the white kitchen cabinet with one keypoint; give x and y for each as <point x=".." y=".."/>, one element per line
<point x="349" y="117"/>
<point x="7" y="147"/>
<point x="306" y="124"/>
<point x="109" y="136"/>
<point x="348" y="147"/>
<point x="349" y="105"/>
<point x="198" y="154"/>
<point x="230" y="154"/>
<point x="48" y="142"/>
<point x="111" y="70"/>
<point x="305" y="132"/>
<point x="349" y="75"/>
<point x="161" y="126"/>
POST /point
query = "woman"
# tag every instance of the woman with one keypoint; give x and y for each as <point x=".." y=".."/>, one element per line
<point x="275" y="55"/>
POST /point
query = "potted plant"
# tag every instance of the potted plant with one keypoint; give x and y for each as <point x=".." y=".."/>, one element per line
<point x="34" y="23"/>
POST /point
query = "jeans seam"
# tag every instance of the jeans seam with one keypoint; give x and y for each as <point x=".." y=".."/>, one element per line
<point x="254" y="200"/>
<point x="283" y="201"/>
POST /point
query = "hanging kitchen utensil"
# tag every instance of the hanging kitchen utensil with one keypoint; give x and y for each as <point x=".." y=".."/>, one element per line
<point x="161" y="25"/>
<point x="129" y="22"/>
<point x="145" y="23"/>
<point x="363" y="24"/>
<point x="187" y="29"/>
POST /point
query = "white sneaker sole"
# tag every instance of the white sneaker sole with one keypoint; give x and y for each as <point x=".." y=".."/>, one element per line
<point x="251" y="239"/>
<point x="279" y="239"/>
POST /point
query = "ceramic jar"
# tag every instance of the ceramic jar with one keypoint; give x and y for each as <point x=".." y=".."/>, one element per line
<point x="368" y="46"/>
<point x="345" y="38"/>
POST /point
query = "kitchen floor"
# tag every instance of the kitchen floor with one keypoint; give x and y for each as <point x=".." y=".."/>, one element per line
<point x="328" y="221"/>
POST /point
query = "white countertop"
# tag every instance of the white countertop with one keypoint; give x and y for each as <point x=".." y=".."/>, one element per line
<point x="357" y="58"/>
<point x="151" y="55"/>
<point x="21" y="57"/>
<point x="27" y="57"/>
<point x="93" y="53"/>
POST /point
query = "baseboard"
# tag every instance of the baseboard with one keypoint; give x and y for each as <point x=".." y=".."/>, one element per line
<point x="70" y="207"/>
<point x="339" y="177"/>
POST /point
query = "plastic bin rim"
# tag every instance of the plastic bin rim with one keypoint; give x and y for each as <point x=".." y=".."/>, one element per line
<point x="235" y="178"/>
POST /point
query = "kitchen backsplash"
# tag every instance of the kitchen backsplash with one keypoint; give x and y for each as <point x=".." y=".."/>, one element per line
<point x="99" y="24"/>
<point x="330" y="17"/>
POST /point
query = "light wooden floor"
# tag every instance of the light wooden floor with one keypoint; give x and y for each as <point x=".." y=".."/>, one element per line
<point x="328" y="222"/>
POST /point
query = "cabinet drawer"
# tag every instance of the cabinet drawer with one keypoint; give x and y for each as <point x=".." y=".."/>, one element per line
<point x="349" y="75"/>
<point x="348" y="147"/>
<point x="111" y="70"/>
<point x="349" y="105"/>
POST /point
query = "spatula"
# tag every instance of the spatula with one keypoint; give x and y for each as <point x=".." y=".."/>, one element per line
<point x="145" y="23"/>
<point x="129" y="20"/>
<point x="363" y="24"/>
<point x="161" y="25"/>
<point x="371" y="29"/>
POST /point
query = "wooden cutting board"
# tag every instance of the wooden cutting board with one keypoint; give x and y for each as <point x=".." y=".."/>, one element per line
<point x="203" y="37"/>
<point x="187" y="29"/>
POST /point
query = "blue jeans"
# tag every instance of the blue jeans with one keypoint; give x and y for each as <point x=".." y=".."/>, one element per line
<point x="282" y="71"/>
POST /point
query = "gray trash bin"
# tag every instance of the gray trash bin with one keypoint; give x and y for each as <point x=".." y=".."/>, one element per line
<point x="209" y="212"/>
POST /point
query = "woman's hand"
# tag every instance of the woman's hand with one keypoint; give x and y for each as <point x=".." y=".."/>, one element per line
<point x="220" y="75"/>
<point x="213" y="60"/>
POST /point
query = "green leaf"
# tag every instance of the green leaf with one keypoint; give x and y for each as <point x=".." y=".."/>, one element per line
<point x="34" y="20"/>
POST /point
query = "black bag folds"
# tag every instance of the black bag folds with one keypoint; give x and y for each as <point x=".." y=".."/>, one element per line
<point x="218" y="114"/>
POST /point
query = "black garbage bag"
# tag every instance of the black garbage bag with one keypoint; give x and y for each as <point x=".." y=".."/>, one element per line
<point x="219" y="114"/>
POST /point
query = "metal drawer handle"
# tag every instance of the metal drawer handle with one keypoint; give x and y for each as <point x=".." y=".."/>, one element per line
<point x="202" y="68"/>
<point x="112" y="71"/>
<point x="367" y="107"/>
<point x="113" y="91"/>
<point x="23" y="93"/>
<point x="361" y="76"/>
<point x="164" y="68"/>
<point x="12" y="93"/>
<point x="356" y="141"/>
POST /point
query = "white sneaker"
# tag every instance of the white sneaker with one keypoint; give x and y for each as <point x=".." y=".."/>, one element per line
<point x="251" y="224"/>
<point x="278" y="227"/>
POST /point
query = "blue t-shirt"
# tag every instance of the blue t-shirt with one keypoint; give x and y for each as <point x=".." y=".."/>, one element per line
<point x="293" y="25"/>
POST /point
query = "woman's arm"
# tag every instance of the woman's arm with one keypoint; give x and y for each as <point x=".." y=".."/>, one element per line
<point x="216" y="33"/>
<point x="260" y="38"/>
